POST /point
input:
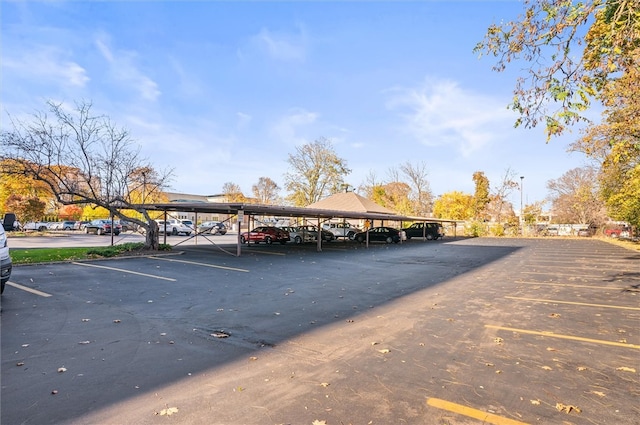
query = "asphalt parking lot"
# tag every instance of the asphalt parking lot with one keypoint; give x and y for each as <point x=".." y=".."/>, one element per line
<point x="465" y="331"/>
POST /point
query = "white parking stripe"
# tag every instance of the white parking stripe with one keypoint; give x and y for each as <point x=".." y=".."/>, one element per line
<point x="124" y="271"/>
<point x="27" y="289"/>
<point x="200" y="264"/>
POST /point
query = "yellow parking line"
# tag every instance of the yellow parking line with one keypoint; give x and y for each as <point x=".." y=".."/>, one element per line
<point x="486" y="418"/>
<point x="568" y="285"/>
<point x="124" y="271"/>
<point x="200" y="264"/>
<point x="619" y="307"/>
<point x="570" y="337"/>
<point x="27" y="289"/>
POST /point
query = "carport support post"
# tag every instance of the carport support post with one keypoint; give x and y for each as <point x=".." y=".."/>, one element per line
<point x="240" y="215"/>
<point x="319" y="236"/>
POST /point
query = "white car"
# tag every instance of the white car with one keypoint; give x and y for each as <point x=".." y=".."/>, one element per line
<point x="173" y="227"/>
<point x="5" y="260"/>
<point x="341" y="230"/>
<point x="36" y="225"/>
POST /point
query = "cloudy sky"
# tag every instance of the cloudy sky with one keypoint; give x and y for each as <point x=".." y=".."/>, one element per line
<point x="224" y="91"/>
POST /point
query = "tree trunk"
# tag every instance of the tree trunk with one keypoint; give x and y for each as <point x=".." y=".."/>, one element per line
<point x="151" y="236"/>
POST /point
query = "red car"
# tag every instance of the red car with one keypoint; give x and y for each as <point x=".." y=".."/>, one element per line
<point x="266" y="234"/>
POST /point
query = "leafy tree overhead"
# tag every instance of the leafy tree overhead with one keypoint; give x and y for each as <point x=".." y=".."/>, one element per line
<point x="26" y="208"/>
<point x="82" y="159"/>
<point x="316" y="171"/>
<point x="568" y="69"/>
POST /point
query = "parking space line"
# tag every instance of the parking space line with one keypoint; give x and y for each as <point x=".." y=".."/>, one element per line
<point x="27" y="289"/>
<point x="200" y="264"/>
<point x="486" y="418"/>
<point x="537" y="300"/>
<point x="568" y="285"/>
<point x="561" y="336"/>
<point x="264" y="252"/>
<point x="124" y="271"/>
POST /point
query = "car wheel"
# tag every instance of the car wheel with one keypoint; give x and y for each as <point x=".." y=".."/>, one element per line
<point x="116" y="233"/>
<point x="389" y="239"/>
<point x="42" y="228"/>
<point x="429" y="237"/>
<point x="174" y="231"/>
<point x="243" y="239"/>
<point x="2" y="287"/>
<point x="86" y="230"/>
<point x="360" y="239"/>
<point x="351" y="235"/>
<point x="298" y="240"/>
<point x="99" y="232"/>
<point x="268" y="240"/>
<point x="188" y="234"/>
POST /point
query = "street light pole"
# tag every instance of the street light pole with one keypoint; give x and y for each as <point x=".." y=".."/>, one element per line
<point x="521" y="207"/>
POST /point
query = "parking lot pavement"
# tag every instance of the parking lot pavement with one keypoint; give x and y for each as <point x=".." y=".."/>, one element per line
<point x="503" y="331"/>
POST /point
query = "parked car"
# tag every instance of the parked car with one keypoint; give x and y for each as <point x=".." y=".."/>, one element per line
<point x="102" y="227"/>
<point x="213" y="228"/>
<point x="189" y="224"/>
<point x="341" y="230"/>
<point x="173" y="226"/>
<point x="266" y="234"/>
<point x="40" y="226"/>
<point x="380" y="234"/>
<point x="299" y="235"/>
<point x="327" y="236"/>
<point x="5" y="260"/>
<point x="431" y="231"/>
<point x="63" y="225"/>
<point x="128" y="225"/>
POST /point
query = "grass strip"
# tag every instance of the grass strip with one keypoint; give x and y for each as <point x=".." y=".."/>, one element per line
<point x="48" y="255"/>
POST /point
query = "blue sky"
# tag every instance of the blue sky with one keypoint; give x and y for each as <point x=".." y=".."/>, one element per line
<point x="224" y="91"/>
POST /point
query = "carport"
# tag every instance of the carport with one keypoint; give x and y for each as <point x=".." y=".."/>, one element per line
<point x="245" y="211"/>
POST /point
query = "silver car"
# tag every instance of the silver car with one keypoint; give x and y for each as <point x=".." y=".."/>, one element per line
<point x="5" y="260"/>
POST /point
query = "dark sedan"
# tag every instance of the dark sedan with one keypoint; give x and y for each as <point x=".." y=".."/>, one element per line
<point x="266" y="234"/>
<point x="102" y="227"/>
<point x="430" y="231"/>
<point x="380" y="234"/>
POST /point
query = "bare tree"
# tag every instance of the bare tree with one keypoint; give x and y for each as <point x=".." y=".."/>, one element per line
<point x="316" y="172"/>
<point x="82" y="159"/>
<point x="575" y="198"/>
<point x="232" y="192"/>
<point x="500" y="194"/>
<point x="366" y="187"/>
<point x="420" y="195"/>
<point x="266" y="190"/>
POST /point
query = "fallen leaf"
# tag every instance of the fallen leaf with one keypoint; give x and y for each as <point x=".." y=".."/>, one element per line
<point x="599" y="393"/>
<point x="253" y="358"/>
<point x="168" y="411"/>
<point x="554" y="315"/>
<point x="54" y="392"/>
<point x="25" y="345"/>
<point x="62" y="369"/>
<point x="535" y="402"/>
<point x="117" y="321"/>
<point x="498" y="340"/>
<point x="384" y="351"/>
<point x="20" y="364"/>
<point x="551" y="349"/>
<point x="325" y="384"/>
<point x="85" y="320"/>
<point x="220" y="334"/>
<point x="546" y="367"/>
<point x="567" y="408"/>
<point x="84" y="342"/>
<point x="626" y="369"/>
<point x="317" y="422"/>
<point x="582" y="368"/>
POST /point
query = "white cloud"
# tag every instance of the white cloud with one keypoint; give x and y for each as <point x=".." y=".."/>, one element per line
<point x="286" y="129"/>
<point x="441" y="113"/>
<point x="123" y="68"/>
<point x="46" y="63"/>
<point x="282" y="46"/>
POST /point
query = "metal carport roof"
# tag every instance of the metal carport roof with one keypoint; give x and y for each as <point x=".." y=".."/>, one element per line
<point x="246" y="209"/>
